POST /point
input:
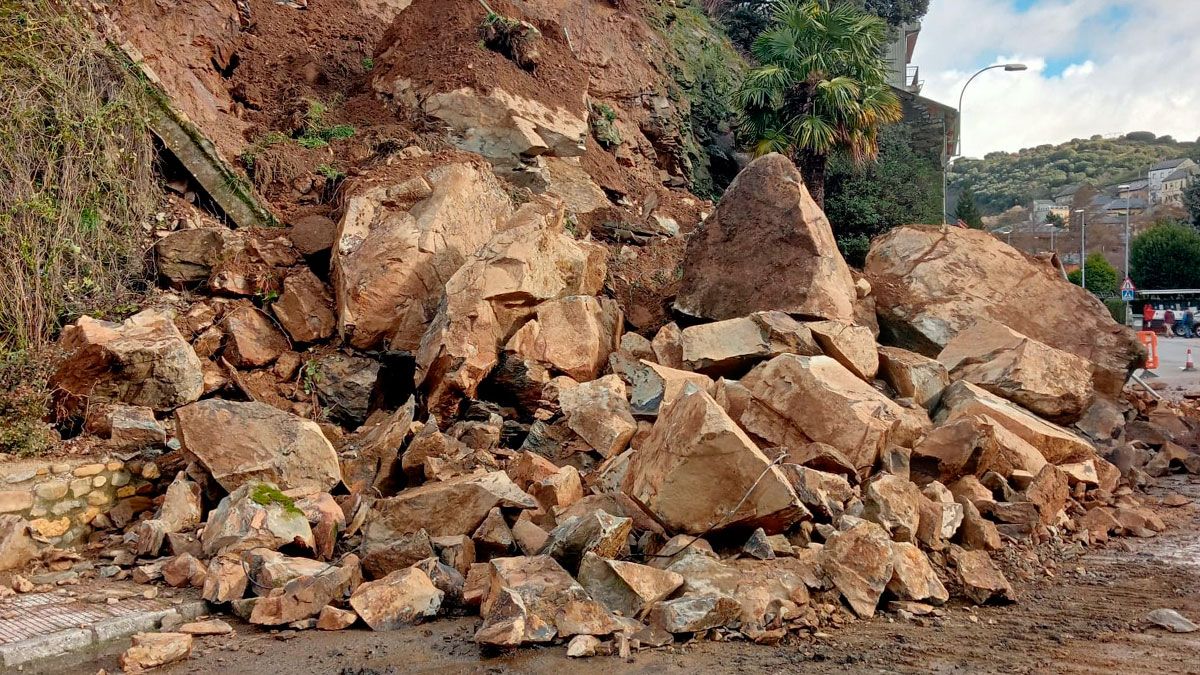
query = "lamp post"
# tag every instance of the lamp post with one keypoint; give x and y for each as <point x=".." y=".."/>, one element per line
<point x="1008" y="67"/>
<point x="1082" y="247"/>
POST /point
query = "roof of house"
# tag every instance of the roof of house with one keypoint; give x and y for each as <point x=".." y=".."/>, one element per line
<point x="1179" y="174"/>
<point x="1120" y="204"/>
<point x="1045" y="203"/>
<point x="1169" y="164"/>
<point x="1134" y="186"/>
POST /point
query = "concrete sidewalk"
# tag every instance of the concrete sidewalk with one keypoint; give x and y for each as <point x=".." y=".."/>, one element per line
<point x="38" y="626"/>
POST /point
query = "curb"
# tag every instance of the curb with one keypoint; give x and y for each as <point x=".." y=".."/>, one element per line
<point x="59" y="643"/>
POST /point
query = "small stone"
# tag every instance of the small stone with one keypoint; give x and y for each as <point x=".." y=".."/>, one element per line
<point x="582" y="646"/>
<point x="1172" y="621"/>
<point x="209" y="627"/>
<point x="151" y="650"/>
<point x="52" y="490"/>
<point x="15" y="500"/>
<point x="758" y="546"/>
<point x="87" y="470"/>
<point x="332" y="618"/>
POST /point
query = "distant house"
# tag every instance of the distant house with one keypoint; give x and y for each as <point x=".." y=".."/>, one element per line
<point x="1065" y="196"/>
<point x="1134" y="190"/>
<point x="1174" y="185"/>
<point x="1041" y="208"/>
<point x="1161" y="171"/>
<point x="1118" y="207"/>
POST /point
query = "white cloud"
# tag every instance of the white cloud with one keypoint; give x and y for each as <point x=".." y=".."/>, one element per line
<point x="1131" y="66"/>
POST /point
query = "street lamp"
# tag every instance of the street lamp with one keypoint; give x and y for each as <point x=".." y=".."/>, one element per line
<point x="1008" y="67"/>
<point x="1082" y="247"/>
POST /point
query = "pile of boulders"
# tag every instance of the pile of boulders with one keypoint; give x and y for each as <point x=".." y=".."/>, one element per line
<point x="761" y="466"/>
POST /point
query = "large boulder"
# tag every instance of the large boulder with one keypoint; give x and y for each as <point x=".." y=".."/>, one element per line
<point x="1052" y="383"/>
<point x="1057" y="445"/>
<point x="305" y="310"/>
<point x="930" y="283"/>
<point x="142" y="361"/>
<point x="187" y="257"/>
<point x="599" y="412"/>
<point x="696" y="465"/>
<point x="795" y="400"/>
<point x="251" y="338"/>
<point x="255" y="515"/>
<point x="767" y="246"/>
<point x="972" y="444"/>
<point x="401" y="239"/>
<point x="242" y="442"/>
<point x="495" y="291"/>
<point x="860" y="563"/>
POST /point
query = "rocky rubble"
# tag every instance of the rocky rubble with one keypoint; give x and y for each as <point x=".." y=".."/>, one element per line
<point x="513" y="452"/>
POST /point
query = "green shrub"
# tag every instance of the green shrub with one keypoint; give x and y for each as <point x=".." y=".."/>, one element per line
<point x="316" y="133"/>
<point x="1166" y="256"/>
<point x="603" y="122"/>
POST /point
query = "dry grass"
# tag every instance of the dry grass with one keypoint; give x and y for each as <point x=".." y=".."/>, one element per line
<point x="77" y="188"/>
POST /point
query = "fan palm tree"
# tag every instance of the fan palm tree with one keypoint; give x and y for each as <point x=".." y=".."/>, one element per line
<point x="820" y="87"/>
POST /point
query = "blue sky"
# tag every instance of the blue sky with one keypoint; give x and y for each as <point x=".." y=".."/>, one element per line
<point x="1095" y="67"/>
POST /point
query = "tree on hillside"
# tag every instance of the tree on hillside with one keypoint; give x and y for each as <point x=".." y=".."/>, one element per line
<point x="1166" y="256"/>
<point x="744" y="20"/>
<point x="1191" y="201"/>
<point x="967" y="210"/>
<point x="821" y="88"/>
<point x="1102" y="277"/>
<point x="895" y="12"/>
<point x="1055" y="220"/>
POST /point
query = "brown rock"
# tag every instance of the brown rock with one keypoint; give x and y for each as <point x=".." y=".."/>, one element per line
<point x="346" y="385"/>
<point x="599" y="533"/>
<point x="852" y="346"/>
<point x="271" y="569"/>
<point x="457" y="551"/>
<point x="730" y="347"/>
<point x="251" y="339"/>
<point x="225" y="579"/>
<point x="932" y="282"/>
<point x="313" y="234"/>
<point x="652" y="387"/>
<point x="913" y="577"/>
<point x="981" y="581"/>
<point x="402" y="598"/>
<point x="305" y="309"/>
<point x="693" y="614"/>
<point x="582" y="646"/>
<point x="151" y="650"/>
<point x="668" y="346"/>
<point x="599" y="412"/>
<point x="493" y="293"/>
<point x="559" y="490"/>
<point x="184" y="570"/>
<point x="456" y="506"/>
<point x="255" y="515"/>
<point x="1056" y="444"/>
<point x="134" y="428"/>
<point x="1050" y="382"/>
<point x="799" y="399"/>
<point x="913" y="376"/>
<point x="895" y="504"/>
<point x="535" y="584"/>
<point x="17" y="548"/>
<point x="972" y="445"/>
<point x="187" y="257"/>
<point x="626" y="587"/>
<point x="584" y="617"/>
<point x="332" y="618"/>
<point x="209" y="627"/>
<point x="859" y="561"/>
<point x="695" y="467"/>
<point x="327" y="520"/>
<point x="400" y="241"/>
<point x="527" y="468"/>
<point x="143" y="361"/>
<point x="304" y="597"/>
<point x="768" y="246"/>
<point x="825" y="494"/>
<point x="572" y="335"/>
<point x="493" y="537"/>
<point x="269" y="445"/>
<point x="1049" y="491"/>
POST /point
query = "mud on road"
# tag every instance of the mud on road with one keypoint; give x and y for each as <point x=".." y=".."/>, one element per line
<point x="1086" y="616"/>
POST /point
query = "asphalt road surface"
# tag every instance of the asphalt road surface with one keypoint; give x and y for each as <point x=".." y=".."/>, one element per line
<point x="1172" y="354"/>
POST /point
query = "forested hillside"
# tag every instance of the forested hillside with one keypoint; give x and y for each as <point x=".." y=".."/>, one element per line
<point x="1001" y="180"/>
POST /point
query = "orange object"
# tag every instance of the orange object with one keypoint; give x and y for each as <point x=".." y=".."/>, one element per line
<point x="1189" y="364"/>
<point x="1149" y="340"/>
